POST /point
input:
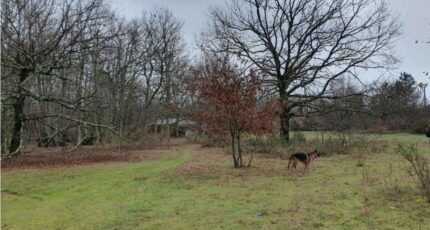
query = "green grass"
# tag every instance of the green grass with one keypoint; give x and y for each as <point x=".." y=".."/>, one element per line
<point x="394" y="137"/>
<point x="193" y="188"/>
<point x="388" y="141"/>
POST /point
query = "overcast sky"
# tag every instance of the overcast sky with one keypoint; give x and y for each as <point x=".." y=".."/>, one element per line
<point x="415" y="15"/>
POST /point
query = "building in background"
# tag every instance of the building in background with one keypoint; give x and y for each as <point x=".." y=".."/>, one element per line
<point x="178" y="127"/>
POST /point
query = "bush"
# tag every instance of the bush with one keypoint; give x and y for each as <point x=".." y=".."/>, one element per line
<point x="378" y="129"/>
<point x="51" y="142"/>
<point x="89" y="140"/>
<point x="420" y="125"/>
<point x="266" y="144"/>
<point x="214" y="141"/>
<point x="298" y="137"/>
<point x="338" y="144"/>
<point x="342" y="143"/>
<point x="419" y="168"/>
<point x="333" y="143"/>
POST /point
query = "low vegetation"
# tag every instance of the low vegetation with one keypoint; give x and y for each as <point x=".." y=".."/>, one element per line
<point x="419" y="168"/>
<point x="194" y="187"/>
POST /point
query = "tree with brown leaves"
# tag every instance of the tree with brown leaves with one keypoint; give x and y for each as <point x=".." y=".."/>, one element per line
<point x="228" y="105"/>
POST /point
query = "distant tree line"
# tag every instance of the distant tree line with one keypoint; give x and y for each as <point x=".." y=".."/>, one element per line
<point x="389" y="105"/>
<point x="73" y="72"/>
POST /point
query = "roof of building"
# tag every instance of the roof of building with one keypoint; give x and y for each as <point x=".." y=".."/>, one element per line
<point x="173" y="121"/>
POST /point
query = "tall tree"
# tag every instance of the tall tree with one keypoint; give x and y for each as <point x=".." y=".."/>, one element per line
<point x="39" y="38"/>
<point x="393" y="102"/>
<point x="303" y="45"/>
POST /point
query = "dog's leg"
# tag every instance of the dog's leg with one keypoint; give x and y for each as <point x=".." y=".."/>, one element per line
<point x="308" y="164"/>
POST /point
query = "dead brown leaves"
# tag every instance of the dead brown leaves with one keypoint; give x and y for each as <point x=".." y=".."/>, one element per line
<point x="35" y="157"/>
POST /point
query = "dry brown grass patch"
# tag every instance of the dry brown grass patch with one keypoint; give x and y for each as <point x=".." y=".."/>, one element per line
<point x="36" y="157"/>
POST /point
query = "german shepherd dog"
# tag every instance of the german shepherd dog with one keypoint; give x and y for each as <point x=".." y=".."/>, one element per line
<point x="305" y="158"/>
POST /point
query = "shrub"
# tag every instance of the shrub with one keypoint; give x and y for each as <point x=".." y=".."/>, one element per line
<point x="338" y="144"/>
<point x="269" y="144"/>
<point x="420" y="125"/>
<point x="298" y="137"/>
<point x="378" y="127"/>
<point x="211" y="141"/>
<point x="333" y="143"/>
<point x="419" y="168"/>
<point x="342" y="143"/>
<point x="272" y="145"/>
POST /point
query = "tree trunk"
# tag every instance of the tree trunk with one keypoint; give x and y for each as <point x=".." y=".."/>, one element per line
<point x="18" y="117"/>
<point x="80" y="103"/>
<point x="5" y="131"/>
<point x="233" y="150"/>
<point x="16" y="139"/>
<point x="285" y="124"/>
<point x="177" y="126"/>
<point x="239" y="153"/>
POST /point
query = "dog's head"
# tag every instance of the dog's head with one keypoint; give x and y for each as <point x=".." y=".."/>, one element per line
<point x="314" y="154"/>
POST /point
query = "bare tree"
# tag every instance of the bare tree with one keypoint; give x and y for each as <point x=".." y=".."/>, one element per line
<point x="303" y="45"/>
<point x="159" y="65"/>
<point x="392" y="103"/>
<point x="39" y="38"/>
<point x="171" y="60"/>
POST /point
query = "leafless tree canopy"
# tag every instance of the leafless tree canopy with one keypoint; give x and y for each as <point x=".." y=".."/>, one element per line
<point x="74" y="72"/>
<point x="303" y="45"/>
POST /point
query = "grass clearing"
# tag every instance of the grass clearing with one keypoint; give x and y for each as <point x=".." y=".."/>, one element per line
<point x="392" y="137"/>
<point x="198" y="187"/>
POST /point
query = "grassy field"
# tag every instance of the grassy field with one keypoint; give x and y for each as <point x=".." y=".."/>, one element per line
<point x="194" y="188"/>
<point x="392" y="137"/>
